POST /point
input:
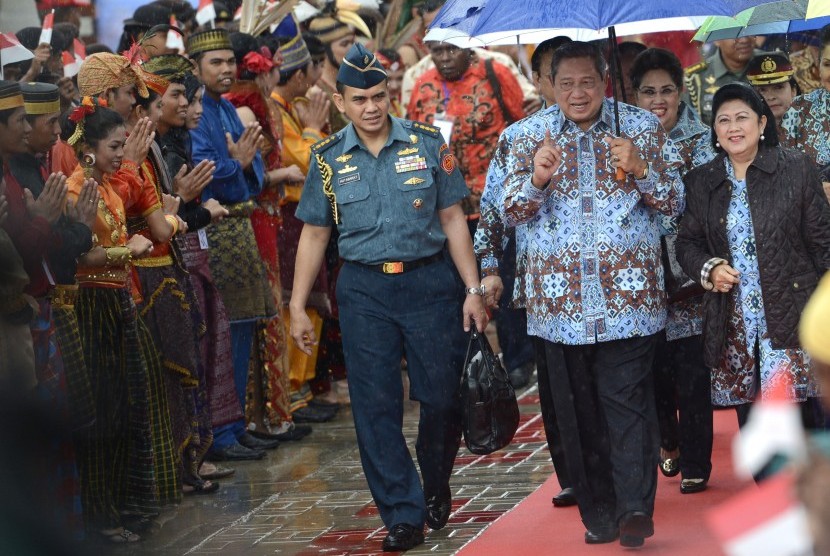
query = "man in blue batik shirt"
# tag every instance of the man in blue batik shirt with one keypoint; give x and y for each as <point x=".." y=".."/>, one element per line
<point x="594" y="282"/>
<point x="235" y="263"/>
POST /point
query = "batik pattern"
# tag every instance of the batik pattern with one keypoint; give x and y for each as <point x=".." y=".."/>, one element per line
<point x="748" y="345"/>
<point x="593" y="271"/>
<point x="806" y="126"/>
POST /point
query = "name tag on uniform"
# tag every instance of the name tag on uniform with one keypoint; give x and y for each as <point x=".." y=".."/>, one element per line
<point x="348" y="179"/>
<point x="410" y="163"/>
<point x="203" y="241"/>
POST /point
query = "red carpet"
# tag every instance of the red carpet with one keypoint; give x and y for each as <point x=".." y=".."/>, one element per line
<point x="536" y="527"/>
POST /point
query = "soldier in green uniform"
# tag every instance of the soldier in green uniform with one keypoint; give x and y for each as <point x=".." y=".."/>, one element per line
<point x="727" y="65"/>
<point x="393" y="190"/>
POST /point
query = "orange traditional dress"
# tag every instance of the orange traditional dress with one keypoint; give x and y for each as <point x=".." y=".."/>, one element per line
<point x="115" y="454"/>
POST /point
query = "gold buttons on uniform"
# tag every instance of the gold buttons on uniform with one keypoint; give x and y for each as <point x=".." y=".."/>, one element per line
<point x="795" y="285"/>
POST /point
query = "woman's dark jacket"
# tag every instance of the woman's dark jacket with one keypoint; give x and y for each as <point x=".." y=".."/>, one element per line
<point x="791" y="218"/>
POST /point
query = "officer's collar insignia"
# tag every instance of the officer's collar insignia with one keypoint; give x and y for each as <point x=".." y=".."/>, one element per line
<point x="413" y="138"/>
<point x="343" y="158"/>
<point x="347" y="169"/>
<point x="410" y="150"/>
<point x="414" y="181"/>
<point x="710" y="79"/>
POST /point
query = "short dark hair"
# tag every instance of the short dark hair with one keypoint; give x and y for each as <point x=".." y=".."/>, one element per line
<point x="630" y="49"/>
<point x="545" y="47"/>
<point x="745" y="93"/>
<point x="97" y="125"/>
<point x="656" y="59"/>
<point x="145" y="102"/>
<point x="578" y="49"/>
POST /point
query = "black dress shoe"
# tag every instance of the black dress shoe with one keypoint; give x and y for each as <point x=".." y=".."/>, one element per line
<point x="520" y="376"/>
<point x="691" y="486"/>
<point x="670" y="467"/>
<point x="438" y="511"/>
<point x="635" y="527"/>
<point x="565" y="498"/>
<point x="601" y="535"/>
<point x="313" y="414"/>
<point x="295" y="432"/>
<point x="253" y="443"/>
<point x="235" y="452"/>
<point x="402" y="536"/>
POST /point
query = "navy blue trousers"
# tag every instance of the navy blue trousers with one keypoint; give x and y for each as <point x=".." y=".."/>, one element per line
<point x="383" y="318"/>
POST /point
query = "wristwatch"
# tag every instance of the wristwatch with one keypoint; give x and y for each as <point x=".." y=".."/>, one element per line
<point x="475" y="291"/>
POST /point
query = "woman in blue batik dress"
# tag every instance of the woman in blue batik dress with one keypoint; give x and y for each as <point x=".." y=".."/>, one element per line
<point x="756" y="232"/>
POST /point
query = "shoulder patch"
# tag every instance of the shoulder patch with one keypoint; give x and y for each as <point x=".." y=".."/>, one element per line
<point x="697" y="68"/>
<point x="326" y="143"/>
<point x="423" y="128"/>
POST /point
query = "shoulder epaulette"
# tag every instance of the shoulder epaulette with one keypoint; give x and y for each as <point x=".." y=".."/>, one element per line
<point x="697" y="68"/>
<point x="423" y="128"/>
<point x="321" y="146"/>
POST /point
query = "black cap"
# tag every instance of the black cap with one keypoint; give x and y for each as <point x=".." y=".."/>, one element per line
<point x="148" y="16"/>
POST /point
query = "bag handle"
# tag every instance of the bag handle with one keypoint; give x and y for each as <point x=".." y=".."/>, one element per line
<point x="496" y="86"/>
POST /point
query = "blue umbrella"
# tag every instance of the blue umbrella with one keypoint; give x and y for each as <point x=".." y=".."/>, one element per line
<point x="489" y="20"/>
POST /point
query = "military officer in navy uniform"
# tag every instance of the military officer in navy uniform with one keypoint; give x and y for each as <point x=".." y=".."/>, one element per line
<point x="393" y="190"/>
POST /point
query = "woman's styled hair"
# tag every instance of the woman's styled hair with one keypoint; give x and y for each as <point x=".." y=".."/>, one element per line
<point x="750" y="97"/>
<point x="96" y="126"/>
<point x="656" y="59"/>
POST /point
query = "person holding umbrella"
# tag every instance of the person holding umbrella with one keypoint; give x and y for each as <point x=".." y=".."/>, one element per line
<point x="594" y="290"/>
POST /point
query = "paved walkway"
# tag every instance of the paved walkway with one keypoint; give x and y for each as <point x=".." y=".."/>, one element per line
<point x="310" y="498"/>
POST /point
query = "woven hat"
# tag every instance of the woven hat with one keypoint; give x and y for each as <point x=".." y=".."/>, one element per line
<point x="360" y="68"/>
<point x="769" y="68"/>
<point x="205" y="41"/>
<point x="173" y="67"/>
<point x="10" y="96"/>
<point x="103" y="71"/>
<point x="41" y="98"/>
<point x="294" y="52"/>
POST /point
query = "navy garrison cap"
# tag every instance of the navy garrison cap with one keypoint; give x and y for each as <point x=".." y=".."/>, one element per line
<point x="360" y="68"/>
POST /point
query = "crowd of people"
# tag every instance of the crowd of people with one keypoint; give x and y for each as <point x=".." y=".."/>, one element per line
<point x="185" y="285"/>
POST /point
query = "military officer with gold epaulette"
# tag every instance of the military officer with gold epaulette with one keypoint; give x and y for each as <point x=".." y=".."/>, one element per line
<point x="393" y="190"/>
<point x="727" y="65"/>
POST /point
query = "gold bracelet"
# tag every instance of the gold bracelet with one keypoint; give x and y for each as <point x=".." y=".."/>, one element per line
<point x="118" y="256"/>
<point x="173" y="221"/>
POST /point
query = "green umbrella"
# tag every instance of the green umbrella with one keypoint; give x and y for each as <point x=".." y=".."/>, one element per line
<point x="717" y="27"/>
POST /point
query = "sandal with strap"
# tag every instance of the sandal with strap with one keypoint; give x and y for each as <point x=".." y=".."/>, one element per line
<point x="198" y="486"/>
<point x="119" y="536"/>
<point x="218" y="472"/>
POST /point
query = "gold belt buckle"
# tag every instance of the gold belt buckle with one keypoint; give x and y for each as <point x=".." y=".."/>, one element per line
<point x="393" y="268"/>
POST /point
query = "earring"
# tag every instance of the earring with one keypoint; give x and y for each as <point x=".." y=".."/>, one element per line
<point x="717" y="144"/>
<point x="762" y="137"/>
<point x="88" y="163"/>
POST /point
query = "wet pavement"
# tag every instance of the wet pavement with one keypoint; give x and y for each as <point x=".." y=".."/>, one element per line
<point x="310" y="498"/>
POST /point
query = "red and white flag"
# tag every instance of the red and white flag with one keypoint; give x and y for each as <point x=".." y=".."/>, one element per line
<point x="763" y="520"/>
<point x="72" y="62"/>
<point x="174" y="38"/>
<point x="12" y="51"/>
<point x="206" y="12"/>
<point x="46" y="30"/>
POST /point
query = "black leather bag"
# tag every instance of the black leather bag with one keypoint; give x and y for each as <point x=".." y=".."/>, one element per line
<point x="491" y="413"/>
<point x="679" y="286"/>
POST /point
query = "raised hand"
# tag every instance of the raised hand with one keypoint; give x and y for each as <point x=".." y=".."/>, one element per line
<point x="85" y="208"/>
<point x="245" y="149"/>
<point x="138" y="143"/>
<point x="314" y="112"/>
<point x="189" y="185"/>
<point x="50" y="203"/>
<point x="546" y="162"/>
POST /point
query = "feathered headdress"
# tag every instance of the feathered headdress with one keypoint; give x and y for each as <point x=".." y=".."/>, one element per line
<point x="338" y="20"/>
<point x="258" y="16"/>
